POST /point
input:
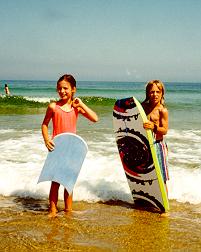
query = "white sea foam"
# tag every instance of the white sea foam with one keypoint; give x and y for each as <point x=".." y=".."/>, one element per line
<point x="184" y="185"/>
<point x="102" y="177"/>
<point x="185" y="165"/>
<point x="39" y="99"/>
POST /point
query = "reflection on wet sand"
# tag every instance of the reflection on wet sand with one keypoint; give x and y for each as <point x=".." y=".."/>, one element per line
<point x="112" y="226"/>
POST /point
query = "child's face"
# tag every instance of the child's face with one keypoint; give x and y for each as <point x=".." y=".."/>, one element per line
<point x="155" y="94"/>
<point x="65" y="90"/>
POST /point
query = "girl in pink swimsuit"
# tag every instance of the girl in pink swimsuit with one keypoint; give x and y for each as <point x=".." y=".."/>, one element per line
<point x="64" y="114"/>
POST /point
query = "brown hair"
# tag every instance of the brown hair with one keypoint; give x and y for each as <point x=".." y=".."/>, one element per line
<point x="69" y="78"/>
<point x="160" y="86"/>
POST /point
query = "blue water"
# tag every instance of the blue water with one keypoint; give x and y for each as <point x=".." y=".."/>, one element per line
<point x="182" y="99"/>
<point x="175" y="92"/>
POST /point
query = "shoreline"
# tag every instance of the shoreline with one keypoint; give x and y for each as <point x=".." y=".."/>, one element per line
<point x="109" y="226"/>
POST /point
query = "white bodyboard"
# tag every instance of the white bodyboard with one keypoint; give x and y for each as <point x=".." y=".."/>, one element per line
<point x="64" y="163"/>
<point x="138" y="154"/>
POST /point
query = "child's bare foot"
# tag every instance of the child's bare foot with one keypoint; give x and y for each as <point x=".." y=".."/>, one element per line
<point x="52" y="211"/>
<point x="166" y="214"/>
<point x="52" y="214"/>
<point x="68" y="210"/>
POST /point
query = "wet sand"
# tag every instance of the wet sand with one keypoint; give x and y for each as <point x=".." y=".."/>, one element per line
<point x="111" y="226"/>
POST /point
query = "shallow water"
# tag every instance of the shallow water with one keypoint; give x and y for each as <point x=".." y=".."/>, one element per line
<point x="110" y="226"/>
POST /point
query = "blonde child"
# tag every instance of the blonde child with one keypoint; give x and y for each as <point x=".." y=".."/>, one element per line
<point x="157" y="115"/>
<point x="64" y="114"/>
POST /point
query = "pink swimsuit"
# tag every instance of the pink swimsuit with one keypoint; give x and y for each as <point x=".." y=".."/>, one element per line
<point x="64" y="121"/>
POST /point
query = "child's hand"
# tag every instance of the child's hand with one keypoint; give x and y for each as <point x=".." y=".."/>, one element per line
<point x="148" y="125"/>
<point x="49" y="144"/>
<point x="77" y="102"/>
<point x="84" y="110"/>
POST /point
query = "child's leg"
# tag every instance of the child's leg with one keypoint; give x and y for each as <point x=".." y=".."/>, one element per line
<point x="53" y="197"/>
<point x="161" y="150"/>
<point x="68" y="201"/>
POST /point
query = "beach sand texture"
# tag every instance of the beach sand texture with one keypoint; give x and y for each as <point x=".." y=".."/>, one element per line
<point x="111" y="226"/>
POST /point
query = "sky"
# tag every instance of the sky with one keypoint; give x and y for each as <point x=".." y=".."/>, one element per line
<point x="99" y="40"/>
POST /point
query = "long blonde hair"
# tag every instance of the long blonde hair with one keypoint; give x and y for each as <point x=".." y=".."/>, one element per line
<point x="160" y="86"/>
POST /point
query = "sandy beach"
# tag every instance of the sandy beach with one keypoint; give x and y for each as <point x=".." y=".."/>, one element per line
<point x="110" y="226"/>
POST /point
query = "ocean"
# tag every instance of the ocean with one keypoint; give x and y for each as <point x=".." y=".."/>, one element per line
<point x="102" y="179"/>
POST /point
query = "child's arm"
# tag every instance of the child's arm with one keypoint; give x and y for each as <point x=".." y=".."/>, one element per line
<point x="85" y="110"/>
<point x="49" y="113"/>
<point x="162" y="128"/>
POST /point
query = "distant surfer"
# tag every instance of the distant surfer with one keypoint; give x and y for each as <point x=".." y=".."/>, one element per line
<point x="64" y="114"/>
<point x="157" y="115"/>
<point x="7" y="91"/>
